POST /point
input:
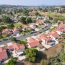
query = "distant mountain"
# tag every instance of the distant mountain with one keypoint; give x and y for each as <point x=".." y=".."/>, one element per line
<point x="21" y="6"/>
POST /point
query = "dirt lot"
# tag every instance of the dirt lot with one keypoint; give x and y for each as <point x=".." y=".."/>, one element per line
<point x="51" y="52"/>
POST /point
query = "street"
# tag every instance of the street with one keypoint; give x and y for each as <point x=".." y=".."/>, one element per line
<point x="28" y="34"/>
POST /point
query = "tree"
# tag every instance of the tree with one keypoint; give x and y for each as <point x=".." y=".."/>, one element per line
<point x="14" y="39"/>
<point x="11" y="26"/>
<point x="11" y="62"/>
<point x="28" y="20"/>
<point x="25" y="12"/>
<point x="6" y="19"/>
<point x="24" y="41"/>
<point x="18" y="25"/>
<point x="1" y="30"/>
<point x="31" y="54"/>
<point x="23" y="20"/>
<point x="44" y="62"/>
<point x="37" y="14"/>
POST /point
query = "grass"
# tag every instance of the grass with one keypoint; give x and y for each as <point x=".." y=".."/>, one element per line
<point x="25" y="32"/>
<point x="18" y="25"/>
<point x="53" y="29"/>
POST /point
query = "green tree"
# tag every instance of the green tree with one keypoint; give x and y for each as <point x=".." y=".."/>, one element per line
<point x="6" y="19"/>
<point x="37" y="14"/>
<point x="28" y="20"/>
<point x="1" y="28"/>
<point x="24" y="41"/>
<point x="23" y="20"/>
<point x="11" y="62"/>
<point x="44" y="62"/>
<point x="25" y="12"/>
<point x="14" y="39"/>
<point x="31" y="54"/>
<point x="18" y="25"/>
<point x="11" y="26"/>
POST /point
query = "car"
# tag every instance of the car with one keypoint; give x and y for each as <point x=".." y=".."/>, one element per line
<point x="32" y="32"/>
<point x="5" y="39"/>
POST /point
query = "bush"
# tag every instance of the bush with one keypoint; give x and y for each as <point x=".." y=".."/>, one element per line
<point x="31" y="54"/>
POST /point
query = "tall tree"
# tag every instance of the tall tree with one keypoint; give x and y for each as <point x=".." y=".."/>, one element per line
<point x="11" y="26"/>
<point x="23" y="20"/>
<point x="6" y="19"/>
<point x="28" y="20"/>
<point x="31" y="54"/>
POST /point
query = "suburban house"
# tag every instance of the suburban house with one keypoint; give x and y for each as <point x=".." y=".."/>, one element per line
<point x="16" y="49"/>
<point x="7" y="31"/>
<point x="32" y="42"/>
<point x="47" y="41"/>
<point x="15" y="32"/>
<point x="32" y="25"/>
<point x="54" y="34"/>
<point x="39" y="22"/>
<point x="61" y="27"/>
<point x="3" y="54"/>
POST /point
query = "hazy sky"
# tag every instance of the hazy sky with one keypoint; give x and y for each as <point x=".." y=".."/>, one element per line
<point x="33" y="2"/>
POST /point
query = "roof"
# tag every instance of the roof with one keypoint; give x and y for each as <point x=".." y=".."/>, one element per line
<point x="7" y="31"/>
<point x="15" y="30"/>
<point x="33" y="42"/>
<point x="61" y="26"/>
<point x="39" y="22"/>
<point x="54" y="34"/>
<point x="32" y="25"/>
<point x="16" y="46"/>
<point x="3" y="54"/>
<point x="45" y="37"/>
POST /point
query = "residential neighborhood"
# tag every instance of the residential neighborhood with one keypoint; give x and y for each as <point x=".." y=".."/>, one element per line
<point x="32" y="35"/>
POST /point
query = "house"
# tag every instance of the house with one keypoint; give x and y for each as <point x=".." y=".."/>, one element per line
<point x="16" y="49"/>
<point x="54" y="34"/>
<point x="32" y="42"/>
<point x="3" y="54"/>
<point x="61" y="27"/>
<point x="26" y="27"/>
<point x="39" y="22"/>
<point x="7" y="31"/>
<point x="46" y="18"/>
<point x="32" y="25"/>
<point x="47" y="41"/>
<point x="15" y="32"/>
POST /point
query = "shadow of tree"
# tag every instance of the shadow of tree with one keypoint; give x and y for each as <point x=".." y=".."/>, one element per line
<point x="20" y="63"/>
<point x="41" y="56"/>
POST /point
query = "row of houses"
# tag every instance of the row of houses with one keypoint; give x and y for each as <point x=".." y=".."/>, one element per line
<point x="40" y="42"/>
<point x="31" y="26"/>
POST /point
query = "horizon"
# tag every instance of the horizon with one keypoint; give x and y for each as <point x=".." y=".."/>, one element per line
<point x="35" y="3"/>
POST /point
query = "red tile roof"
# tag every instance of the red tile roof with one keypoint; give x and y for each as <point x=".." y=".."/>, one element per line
<point x="3" y="54"/>
<point x="45" y="37"/>
<point x="33" y="42"/>
<point x="39" y="22"/>
<point x="8" y="31"/>
<point x="61" y="27"/>
<point x="54" y="34"/>
<point x="16" y="46"/>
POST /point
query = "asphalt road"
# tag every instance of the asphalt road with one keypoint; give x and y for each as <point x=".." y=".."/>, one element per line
<point x="28" y="34"/>
<point x="34" y="34"/>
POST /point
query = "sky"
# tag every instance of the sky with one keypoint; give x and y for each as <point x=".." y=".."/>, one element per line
<point x="32" y="2"/>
